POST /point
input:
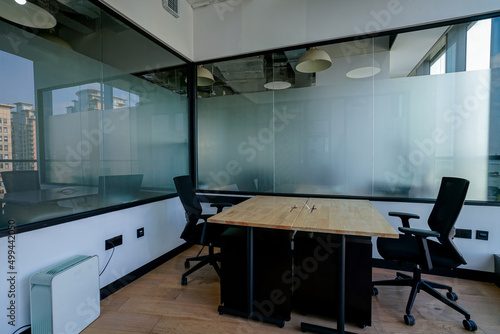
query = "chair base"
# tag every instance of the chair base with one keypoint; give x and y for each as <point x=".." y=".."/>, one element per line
<point x="417" y="283"/>
<point x="212" y="258"/>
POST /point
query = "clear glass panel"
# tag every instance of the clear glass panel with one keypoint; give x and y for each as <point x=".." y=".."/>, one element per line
<point x="90" y="115"/>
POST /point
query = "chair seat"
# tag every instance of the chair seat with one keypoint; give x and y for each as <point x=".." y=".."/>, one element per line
<point x="405" y="249"/>
<point x="212" y="236"/>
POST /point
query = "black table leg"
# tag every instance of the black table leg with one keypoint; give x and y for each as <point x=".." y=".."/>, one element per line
<point x="306" y="327"/>
<point x="250" y="293"/>
<point x="250" y="270"/>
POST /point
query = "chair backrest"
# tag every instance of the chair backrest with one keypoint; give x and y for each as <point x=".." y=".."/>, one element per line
<point x="189" y="201"/>
<point x="449" y="203"/>
<point x="120" y="188"/>
<point x="21" y="180"/>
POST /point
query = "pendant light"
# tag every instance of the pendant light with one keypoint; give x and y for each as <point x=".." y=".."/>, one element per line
<point x="313" y="60"/>
<point x="204" y="77"/>
<point x="27" y="14"/>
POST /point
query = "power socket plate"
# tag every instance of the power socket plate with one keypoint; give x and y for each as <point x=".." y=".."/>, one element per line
<point x="113" y="242"/>
<point x="463" y="233"/>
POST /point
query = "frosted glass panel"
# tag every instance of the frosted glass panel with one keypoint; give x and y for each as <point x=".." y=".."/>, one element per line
<point x="375" y="124"/>
<point x="427" y="127"/>
<point x="235" y="144"/>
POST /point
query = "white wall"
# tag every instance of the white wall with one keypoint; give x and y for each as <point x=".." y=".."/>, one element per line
<point x="163" y="223"/>
<point x="242" y="26"/>
<point x="477" y="253"/>
<point x="177" y="33"/>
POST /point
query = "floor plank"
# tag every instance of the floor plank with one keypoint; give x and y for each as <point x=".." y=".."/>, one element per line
<point x="157" y="303"/>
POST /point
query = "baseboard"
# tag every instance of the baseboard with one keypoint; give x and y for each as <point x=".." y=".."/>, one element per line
<point x="129" y="278"/>
<point x="475" y="275"/>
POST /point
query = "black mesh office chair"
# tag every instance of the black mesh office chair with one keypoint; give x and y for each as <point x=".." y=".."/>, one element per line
<point x="21" y="180"/>
<point x="413" y="247"/>
<point x="202" y="233"/>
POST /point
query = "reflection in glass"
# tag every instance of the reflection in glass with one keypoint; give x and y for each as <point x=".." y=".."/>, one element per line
<point x="81" y="102"/>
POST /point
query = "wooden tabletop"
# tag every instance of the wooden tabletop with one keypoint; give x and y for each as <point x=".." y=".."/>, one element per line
<point x="328" y="215"/>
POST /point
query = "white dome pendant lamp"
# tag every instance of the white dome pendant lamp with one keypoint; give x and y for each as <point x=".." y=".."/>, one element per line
<point x="313" y="60"/>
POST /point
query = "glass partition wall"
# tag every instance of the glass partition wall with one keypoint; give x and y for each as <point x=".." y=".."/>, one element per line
<point x="93" y="113"/>
<point x="390" y="117"/>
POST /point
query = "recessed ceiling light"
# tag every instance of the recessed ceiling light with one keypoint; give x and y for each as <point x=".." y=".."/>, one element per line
<point x="363" y="72"/>
<point x="277" y="85"/>
<point x="21" y="2"/>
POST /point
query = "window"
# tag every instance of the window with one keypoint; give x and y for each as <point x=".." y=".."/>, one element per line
<point x="125" y="117"/>
<point x="438" y="64"/>
<point x="478" y="45"/>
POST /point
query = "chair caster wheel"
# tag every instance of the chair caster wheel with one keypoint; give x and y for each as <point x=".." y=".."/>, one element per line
<point x="184" y="281"/>
<point x="374" y="291"/>
<point x="409" y="320"/>
<point x="186" y="264"/>
<point x="452" y="296"/>
<point x="470" y="325"/>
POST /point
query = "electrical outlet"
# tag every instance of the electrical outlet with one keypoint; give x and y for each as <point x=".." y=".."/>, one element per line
<point x="482" y="235"/>
<point x="463" y="233"/>
<point x="113" y="242"/>
<point x="140" y="232"/>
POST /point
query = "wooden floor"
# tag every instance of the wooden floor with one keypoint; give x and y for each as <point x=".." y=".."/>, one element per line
<point x="158" y="303"/>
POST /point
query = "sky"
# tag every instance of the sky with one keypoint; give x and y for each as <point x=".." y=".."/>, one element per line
<point x="17" y="81"/>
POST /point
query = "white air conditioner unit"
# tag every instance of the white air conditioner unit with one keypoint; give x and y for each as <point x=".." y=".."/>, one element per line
<point x="65" y="297"/>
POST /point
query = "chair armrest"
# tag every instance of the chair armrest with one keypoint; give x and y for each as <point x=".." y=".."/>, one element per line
<point x="418" y="232"/>
<point x="405" y="217"/>
<point x="421" y="236"/>
<point x="220" y="206"/>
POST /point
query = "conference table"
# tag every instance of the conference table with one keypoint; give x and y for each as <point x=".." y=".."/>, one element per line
<point x="325" y="215"/>
<point x="49" y="194"/>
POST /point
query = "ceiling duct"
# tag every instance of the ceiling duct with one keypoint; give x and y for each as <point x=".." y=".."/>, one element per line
<point x="172" y="6"/>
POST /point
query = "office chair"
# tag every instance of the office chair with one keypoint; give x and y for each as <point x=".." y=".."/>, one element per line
<point x="204" y="234"/>
<point x="413" y="247"/>
<point x="21" y="180"/>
